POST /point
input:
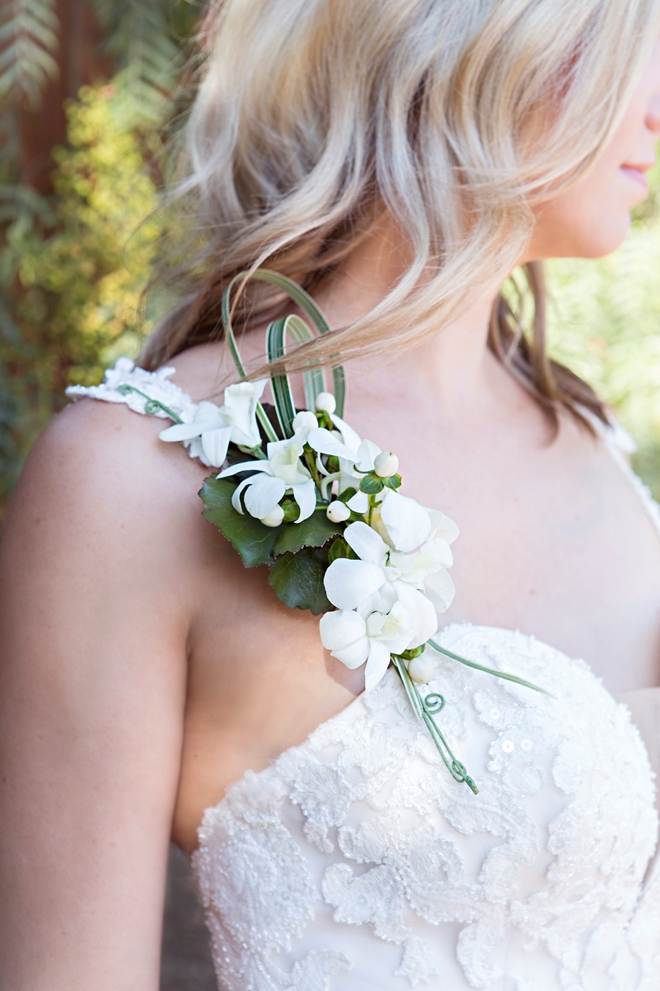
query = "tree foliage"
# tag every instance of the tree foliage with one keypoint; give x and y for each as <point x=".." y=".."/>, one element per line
<point x="90" y="274"/>
<point x="74" y="264"/>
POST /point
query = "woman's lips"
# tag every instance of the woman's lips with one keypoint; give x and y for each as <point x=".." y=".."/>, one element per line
<point x="636" y="172"/>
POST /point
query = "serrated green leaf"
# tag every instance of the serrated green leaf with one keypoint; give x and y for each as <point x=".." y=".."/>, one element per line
<point x="315" y="531"/>
<point x="297" y="579"/>
<point x="253" y="541"/>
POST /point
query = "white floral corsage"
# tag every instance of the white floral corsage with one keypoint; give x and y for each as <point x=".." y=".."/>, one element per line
<point x="301" y="492"/>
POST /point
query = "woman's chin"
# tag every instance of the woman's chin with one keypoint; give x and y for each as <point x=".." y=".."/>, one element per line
<point x="601" y="240"/>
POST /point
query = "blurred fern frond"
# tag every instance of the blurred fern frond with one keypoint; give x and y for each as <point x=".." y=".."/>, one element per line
<point x="29" y="31"/>
<point x="147" y="59"/>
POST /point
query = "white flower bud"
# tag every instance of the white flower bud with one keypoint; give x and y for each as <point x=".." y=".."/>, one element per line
<point x="274" y="518"/>
<point x="420" y="669"/>
<point x="326" y="401"/>
<point x="305" y="420"/>
<point x="337" y="511"/>
<point x="386" y="464"/>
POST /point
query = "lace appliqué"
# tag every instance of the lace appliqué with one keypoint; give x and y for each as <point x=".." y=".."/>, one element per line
<point x="156" y="385"/>
<point x="405" y="849"/>
<point x="254" y="863"/>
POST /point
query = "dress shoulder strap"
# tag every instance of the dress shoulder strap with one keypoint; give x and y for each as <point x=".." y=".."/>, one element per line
<point x="144" y="386"/>
<point x="621" y="445"/>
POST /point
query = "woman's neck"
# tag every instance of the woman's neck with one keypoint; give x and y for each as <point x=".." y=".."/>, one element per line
<point x="454" y="367"/>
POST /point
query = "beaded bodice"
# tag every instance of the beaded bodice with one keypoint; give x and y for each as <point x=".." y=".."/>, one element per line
<point x="355" y="863"/>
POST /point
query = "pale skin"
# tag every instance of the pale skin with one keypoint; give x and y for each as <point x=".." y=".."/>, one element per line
<point x="144" y="669"/>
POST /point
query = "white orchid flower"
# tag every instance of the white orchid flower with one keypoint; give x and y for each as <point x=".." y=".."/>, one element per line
<point x="402" y="522"/>
<point x="283" y="472"/>
<point x="240" y="411"/>
<point x="353" y="453"/>
<point x="212" y="428"/>
<point x="426" y="567"/>
<point x="372" y="587"/>
<point x="352" y="639"/>
<point x="207" y="436"/>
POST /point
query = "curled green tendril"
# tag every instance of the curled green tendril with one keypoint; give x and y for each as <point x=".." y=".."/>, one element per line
<point x="434" y="703"/>
<point x="152" y="406"/>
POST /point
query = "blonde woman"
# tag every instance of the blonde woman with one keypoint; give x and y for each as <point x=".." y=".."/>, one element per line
<point x="399" y="159"/>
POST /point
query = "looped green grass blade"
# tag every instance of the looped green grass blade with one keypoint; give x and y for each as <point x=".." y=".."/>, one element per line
<point x="276" y="335"/>
<point x="314" y="378"/>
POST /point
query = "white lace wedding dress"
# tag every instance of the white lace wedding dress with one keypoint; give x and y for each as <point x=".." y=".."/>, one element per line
<point x="355" y="863"/>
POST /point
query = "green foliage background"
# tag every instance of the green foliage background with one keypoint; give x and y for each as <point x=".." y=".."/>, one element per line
<point x="74" y="265"/>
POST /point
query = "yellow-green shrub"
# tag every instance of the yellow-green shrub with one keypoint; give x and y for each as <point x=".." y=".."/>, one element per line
<point x="96" y="265"/>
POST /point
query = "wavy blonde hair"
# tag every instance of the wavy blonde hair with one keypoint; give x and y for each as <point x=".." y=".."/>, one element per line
<point x="315" y="117"/>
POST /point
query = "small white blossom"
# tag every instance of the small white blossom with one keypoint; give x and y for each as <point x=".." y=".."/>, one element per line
<point x="337" y="511"/>
<point x="353" y="453"/>
<point x="386" y="465"/>
<point x="426" y="567"/>
<point x="420" y="669"/>
<point x="326" y="401"/>
<point x="352" y="639"/>
<point x="396" y="615"/>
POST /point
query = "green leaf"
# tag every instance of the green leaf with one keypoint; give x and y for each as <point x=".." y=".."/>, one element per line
<point x="372" y="484"/>
<point x="297" y="579"/>
<point x="280" y="384"/>
<point x="315" y="531"/>
<point x="393" y="482"/>
<point x="347" y="494"/>
<point x="253" y="541"/>
<point x="339" y="548"/>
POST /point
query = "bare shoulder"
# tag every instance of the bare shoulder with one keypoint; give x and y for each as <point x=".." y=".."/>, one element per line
<point x="99" y="484"/>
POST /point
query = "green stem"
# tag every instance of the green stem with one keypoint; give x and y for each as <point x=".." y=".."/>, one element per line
<point x="480" y="667"/>
<point x="372" y="506"/>
<point x="424" y="709"/>
<point x="310" y="461"/>
<point x="254" y="452"/>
